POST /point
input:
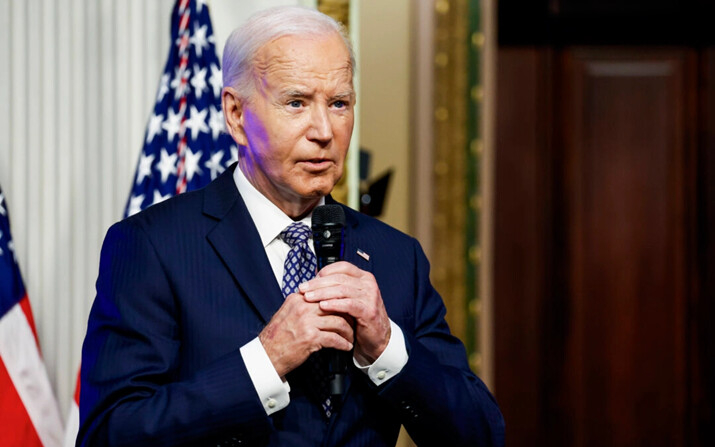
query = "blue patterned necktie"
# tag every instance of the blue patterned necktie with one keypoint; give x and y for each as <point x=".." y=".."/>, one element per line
<point x="300" y="266"/>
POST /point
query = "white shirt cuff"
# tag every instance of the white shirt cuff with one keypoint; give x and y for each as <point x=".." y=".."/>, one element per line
<point x="391" y="361"/>
<point x="272" y="391"/>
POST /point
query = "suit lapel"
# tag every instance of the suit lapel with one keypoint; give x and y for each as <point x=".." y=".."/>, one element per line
<point x="236" y="241"/>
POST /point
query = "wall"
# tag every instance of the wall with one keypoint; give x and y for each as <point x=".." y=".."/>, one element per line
<point x="385" y="98"/>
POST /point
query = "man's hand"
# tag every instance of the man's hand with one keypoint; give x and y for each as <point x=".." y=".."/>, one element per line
<point x="300" y="328"/>
<point x="342" y="288"/>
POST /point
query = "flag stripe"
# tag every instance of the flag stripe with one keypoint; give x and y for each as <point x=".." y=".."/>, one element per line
<point x="17" y="429"/>
<point x="27" y="373"/>
<point x="184" y="55"/>
<point x="77" y="388"/>
<point x="27" y="310"/>
<point x="72" y="426"/>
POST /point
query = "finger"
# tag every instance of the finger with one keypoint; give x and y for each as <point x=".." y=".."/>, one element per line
<point x="337" y="324"/>
<point x="332" y="340"/>
<point x="325" y="281"/>
<point x="333" y="291"/>
<point x="358" y="279"/>
<point x="317" y="283"/>
<point x="353" y="307"/>
<point x="340" y="267"/>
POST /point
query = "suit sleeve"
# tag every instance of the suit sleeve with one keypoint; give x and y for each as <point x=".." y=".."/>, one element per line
<point x="439" y="399"/>
<point x="132" y="392"/>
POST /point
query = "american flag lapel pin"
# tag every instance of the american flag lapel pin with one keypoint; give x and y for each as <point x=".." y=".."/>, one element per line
<point x="363" y="255"/>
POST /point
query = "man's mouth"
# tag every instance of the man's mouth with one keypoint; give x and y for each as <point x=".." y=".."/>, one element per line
<point x="317" y="164"/>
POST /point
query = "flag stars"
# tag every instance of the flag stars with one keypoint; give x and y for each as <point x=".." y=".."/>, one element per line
<point x="172" y="125"/>
<point x="197" y="122"/>
<point x="166" y="165"/>
<point x="216" y="80"/>
<point x="234" y="156"/>
<point x="198" y="40"/>
<point x="11" y="247"/>
<point x="154" y="127"/>
<point x="135" y="204"/>
<point x="199" y="81"/>
<point x="216" y="121"/>
<point x="144" y="168"/>
<point x="163" y="87"/>
<point x="3" y="212"/>
<point x="158" y="197"/>
<point x="214" y="164"/>
<point x="187" y="113"/>
<point x="191" y="163"/>
<point x="179" y="81"/>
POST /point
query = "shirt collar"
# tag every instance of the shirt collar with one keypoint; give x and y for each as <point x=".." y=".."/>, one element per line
<point x="269" y="219"/>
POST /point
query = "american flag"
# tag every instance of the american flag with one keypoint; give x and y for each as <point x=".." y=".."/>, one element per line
<point x="30" y="416"/>
<point x="184" y="145"/>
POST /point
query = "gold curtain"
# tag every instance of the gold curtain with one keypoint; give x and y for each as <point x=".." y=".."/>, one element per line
<point x="457" y="161"/>
<point x="337" y="9"/>
<point x="449" y="161"/>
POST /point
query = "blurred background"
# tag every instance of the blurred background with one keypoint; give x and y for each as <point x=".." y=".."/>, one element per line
<point x="556" y="159"/>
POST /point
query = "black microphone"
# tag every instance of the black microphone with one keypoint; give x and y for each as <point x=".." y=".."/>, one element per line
<point x="328" y="227"/>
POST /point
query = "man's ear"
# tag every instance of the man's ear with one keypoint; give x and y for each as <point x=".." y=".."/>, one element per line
<point x="233" y="113"/>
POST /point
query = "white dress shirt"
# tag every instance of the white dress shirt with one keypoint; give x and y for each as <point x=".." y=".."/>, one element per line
<point x="271" y="389"/>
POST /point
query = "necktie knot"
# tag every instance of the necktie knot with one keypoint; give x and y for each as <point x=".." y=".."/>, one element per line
<point x="300" y="264"/>
<point x="296" y="233"/>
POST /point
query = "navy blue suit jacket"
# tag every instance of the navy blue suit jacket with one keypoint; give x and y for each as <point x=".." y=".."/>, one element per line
<point x="184" y="284"/>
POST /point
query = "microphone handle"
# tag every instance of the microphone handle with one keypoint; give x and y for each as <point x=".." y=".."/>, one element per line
<point x="337" y="359"/>
<point x="328" y="239"/>
<point x="337" y="368"/>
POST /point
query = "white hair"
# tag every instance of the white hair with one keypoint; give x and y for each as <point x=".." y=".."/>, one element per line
<point x="265" y="26"/>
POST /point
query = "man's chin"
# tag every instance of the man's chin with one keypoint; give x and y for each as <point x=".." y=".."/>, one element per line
<point x="316" y="194"/>
<point x="318" y="187"/>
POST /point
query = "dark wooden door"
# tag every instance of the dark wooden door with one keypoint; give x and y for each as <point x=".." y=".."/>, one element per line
<point x="627" y="152"/>
<point x="601" y="217"/>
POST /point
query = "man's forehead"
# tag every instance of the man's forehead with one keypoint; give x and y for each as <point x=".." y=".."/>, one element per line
<point x="301" y="53"/>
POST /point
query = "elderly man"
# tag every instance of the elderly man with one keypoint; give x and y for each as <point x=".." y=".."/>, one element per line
<point x="197" y="336"/>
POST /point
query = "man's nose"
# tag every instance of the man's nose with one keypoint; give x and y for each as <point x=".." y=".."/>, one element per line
<point x="321" y="129"/>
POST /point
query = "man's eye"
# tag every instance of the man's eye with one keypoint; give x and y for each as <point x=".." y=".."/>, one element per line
<point x="340" y="104"/>
<point x="295" y="103"/>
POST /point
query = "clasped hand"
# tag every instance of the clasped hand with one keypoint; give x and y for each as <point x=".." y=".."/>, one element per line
<point x="340" y="308"/>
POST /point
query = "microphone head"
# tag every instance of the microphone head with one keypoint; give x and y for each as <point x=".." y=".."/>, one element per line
<point x="328" y="226"/>
<point x="328" y="214"/>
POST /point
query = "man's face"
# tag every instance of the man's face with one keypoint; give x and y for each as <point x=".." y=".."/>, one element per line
<point x="296" y="127"/>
